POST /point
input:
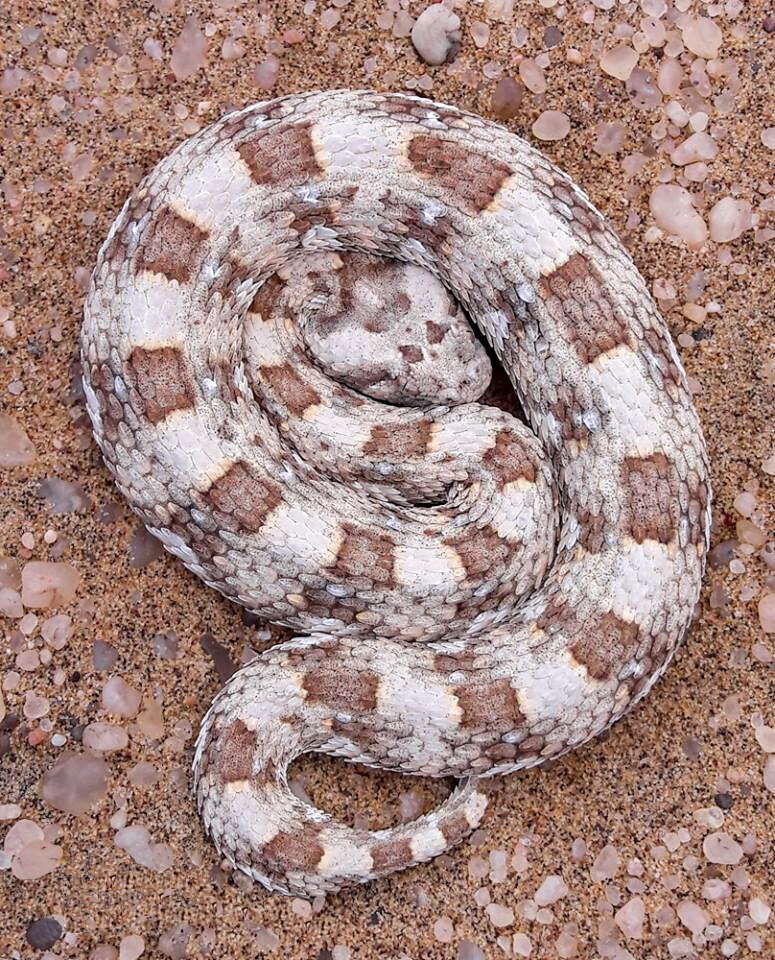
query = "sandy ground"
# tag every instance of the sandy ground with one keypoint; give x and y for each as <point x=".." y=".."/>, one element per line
<point x="72" y="147"/>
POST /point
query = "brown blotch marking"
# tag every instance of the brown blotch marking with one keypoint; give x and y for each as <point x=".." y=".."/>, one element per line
<point x="307" y="215"/>
<point x="241" y="495"/>
<point x="344" y="690"/>
<point x="160" y="380"/>
<point x="435" y="331"/>
<point x="454" y="661"/>
<point x="558" y="615"/>
<point x="390" y="855"/>
<point x="172" y="246"/>
<point x="578" y="299"/>
<point x="365" y="553"/>
<point x="482" y="551"/>
<point x="492" y="707"/>
<point x="508" y="461"/>
<point x="650" y="488"/>
<point x="290" y="388"/>
<point x="605" y="646"/>
<point x="699" y="495"/>
<point x="568" y="411"/>
<point x="410" y="353"/>
<point x="236" y="745"/>
<point x="472" y="178"/>
<point x="281" y="156"/>
<point x="268" y="296"/>
<point x="664" y="371"/>
<point x="399" y="441"/>
<point x="591" y="530"/>
<point x="297" y="851"/>
<point x="455" y="828"/>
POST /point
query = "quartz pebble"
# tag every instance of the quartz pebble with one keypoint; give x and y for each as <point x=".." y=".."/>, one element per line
<point x="674" y="213"/>
<point x="606" y="864"/>
<point x="75" y="782"/>
<point x="630" y="918"/>
<point x="131" y="947"/>
<point x="729" y="219"/>
<point x="551" y="125"/>
<point x="189" y="52"/>
<point x="507" y="98"/>
<point x="105" y="737"/>
<point x="522" y="945"/>
<point x="136" y="841"/>
<point x="16" y="449"/>
<point x="43" y="934"/>
<point x="551" y="890"/>
<point x="702" y="36"/>
<point x="436" y="34"/>
<point x="120" y="699"/>
<point x="619" y="62"/>
<point x="719" y="847"/>
<point x="46" y="584"/>
<point x="767" y="612"/>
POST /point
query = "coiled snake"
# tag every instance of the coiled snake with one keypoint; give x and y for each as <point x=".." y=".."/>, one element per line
<point x="283" y="381"/>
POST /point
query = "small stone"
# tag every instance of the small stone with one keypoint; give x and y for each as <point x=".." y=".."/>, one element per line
<point x="144" y="774"/>
<point x="767" y="612"/>
<point x="43" y="934"/>
<point x="698" y="146"/>
<point x="36" y="860"/>
<point x="10" y="811"/>
<point x="47" y="584"/>
<point x="609" y="138"/>
<point x="507" y="98"/>
<point x="729" y="219"/>
<point x="499" y="915"/>
<point x="522" y="945"/>
<point x="702" y="36"/>
<point x="551" y="125"/>
<point x="266" y="73"/>
<point x="619" y="62"/>
<point x="190" y="51"/>
<point x="11" y="605"/>
<point x="173" y="943"/>
<point x="136" y="841"/>
<point x="443" y="930"/>
<point x="630" y="918"/>
<point x="57" y="630"/>
<point x="105" y="737"/>
<point x="719" y="847"/>
<point x="674" y="213"/>
<point x="16" y="449"/>
<point x="75" y="782"/>
<point x="551" y="890"/>
<point x="436" y="34"/>
<point x="104" y="657"/>
<point x="143" y="548"/>
<point x="120" y="699"/>
<point x="765" y="737"/>
<point x="62" y="496"/>
<point x="467" y="950"/>
<point x="692" y="916"/>
<point x="606" y="864"/>
<point x="531" y="74"/>
<point x="131" y="947"/>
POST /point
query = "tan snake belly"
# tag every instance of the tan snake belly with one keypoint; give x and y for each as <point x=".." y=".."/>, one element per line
<point x="283" y="381"/>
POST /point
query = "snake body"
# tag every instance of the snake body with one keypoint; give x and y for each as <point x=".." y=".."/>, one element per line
<point x="281" y="376"/>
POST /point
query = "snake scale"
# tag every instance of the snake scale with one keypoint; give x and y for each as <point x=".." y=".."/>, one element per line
<point x="282" y="373"/>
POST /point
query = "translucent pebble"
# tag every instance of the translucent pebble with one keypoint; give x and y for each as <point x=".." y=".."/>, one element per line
<point x="469" y="951"/>
<point x="11" y="603"/>
<point x="35" y="706"/>
<point x="480" y="33"/>
<point x="551" y="890"/>
<point x="702" y="36"/>
<point x="22" y="833"/>
<point x="266" y="73"/>
<point x="566" y="946"/>
<point x="578" y="850"/>
<point x="759" y="910"/>
<point x="674" y="213"/>
<point x="443" y="930"/>
<point x="10" y="811"/>
<point x="75" y="782"/>
<point x="131" y="947"/>
<point x="729" y="948"/>
<point x="57" y="630"/>
<point x="698" y="146"/>
<point x="680" y="947"/>
<point x="768" y="137"/>
<point x="105" y="737"/>
<point x="692" y="916"/>
<point x="119" y="698"/>
<point x="532" y="76"/>
<point x="47" y="584"/>
<point x="606" y="864"/>
<point x="619" y="62"/>
<point x="16" y="449"/>
<point x="609" y="138"/>
<point x="769" y="773"/>
<point x="551" y="125"/>
<point x="765" y="737"/>
<point x="499" y="915"/>
<point x="728" y="219"/>
<point x="136" y="841"/>
<point x="522" y="945"/>
<point x="190" y="51"/>
<point x="630" y="918"/>
<point x="436" y="34"/>
<point x="35" y="860"/>
<point x="719" y="847"/>
<point x="507" y="98"/>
